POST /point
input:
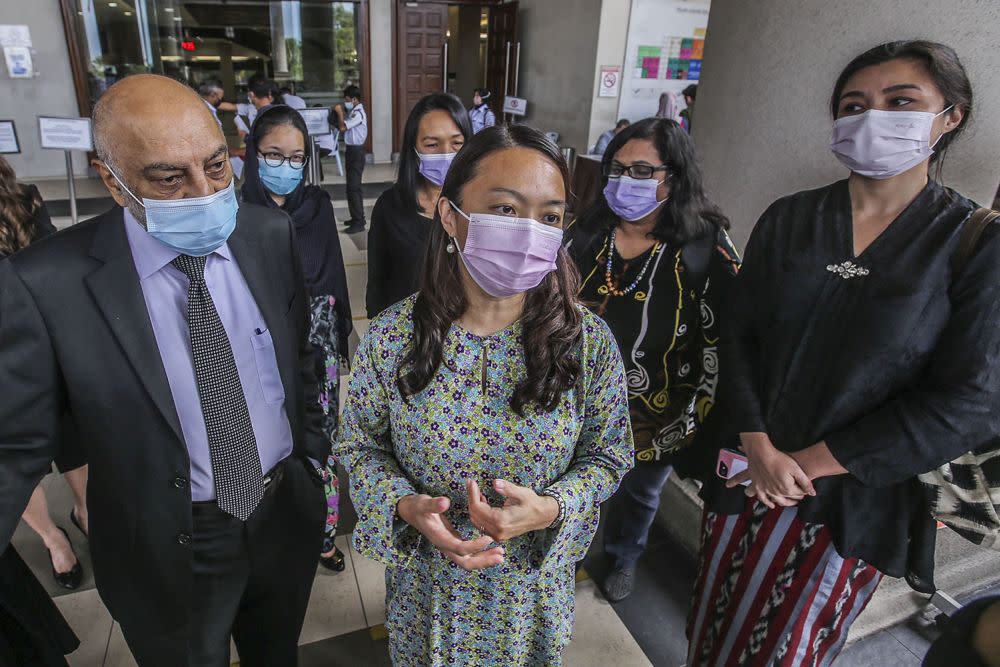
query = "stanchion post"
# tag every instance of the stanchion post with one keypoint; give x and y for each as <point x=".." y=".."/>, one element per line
<point x="314" y="170"/>
<point x="72" y="185"/>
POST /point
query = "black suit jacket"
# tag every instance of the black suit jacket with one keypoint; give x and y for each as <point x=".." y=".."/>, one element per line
<point x="75" y="336"/>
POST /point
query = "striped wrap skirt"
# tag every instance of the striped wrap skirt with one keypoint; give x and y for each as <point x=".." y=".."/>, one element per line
<point x="772" y="591"/>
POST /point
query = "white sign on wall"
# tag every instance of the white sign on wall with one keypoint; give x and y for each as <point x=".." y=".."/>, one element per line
<point x="611" y="79"/>
<point x="68" y="134"/>
<point x="316" y="121"/>
<point x="15" y="35"/>
<point x="18" y="59"/>
<point x="665" y="46"/>
<point x="516" y="106"/>
<point x="8" y="138"/>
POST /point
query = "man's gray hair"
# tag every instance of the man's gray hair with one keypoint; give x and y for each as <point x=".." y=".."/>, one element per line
<point x="209" y="86"/>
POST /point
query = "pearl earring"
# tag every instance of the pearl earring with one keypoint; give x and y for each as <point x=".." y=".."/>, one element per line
<point x="450" y="248"/>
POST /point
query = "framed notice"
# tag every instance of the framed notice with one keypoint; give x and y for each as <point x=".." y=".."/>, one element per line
<point x="517" y="106"/>
<point x="68" y="134"/>
<point x="611" y="79"/>
<point x="8" y="138"/>
<point x="316" y="120"/>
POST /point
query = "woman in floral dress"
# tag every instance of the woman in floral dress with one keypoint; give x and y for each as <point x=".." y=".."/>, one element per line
<point x="486" y="421"/>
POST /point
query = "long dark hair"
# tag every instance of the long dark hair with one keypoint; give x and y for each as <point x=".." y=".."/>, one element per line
<point x="942" y="64"/>
<point x="276" y="116"/>
<point x="688" y="214"/>
<point x="409" y="178"/>
<point x="18" y="205"/>
<point x="550" y="322"/>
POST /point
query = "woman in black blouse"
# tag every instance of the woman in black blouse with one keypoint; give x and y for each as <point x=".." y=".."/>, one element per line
<point x="655" y="263"/>
<point x="436" y="128"/>
<point x="857" y="359"/>
<point x="32" y="631"/>
<point x="275" y="162"/>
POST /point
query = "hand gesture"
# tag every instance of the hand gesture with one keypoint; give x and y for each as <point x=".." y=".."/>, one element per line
<point x="776" y="479"/>
<point x="425" y="514"/>
<point x="523" y="510"/>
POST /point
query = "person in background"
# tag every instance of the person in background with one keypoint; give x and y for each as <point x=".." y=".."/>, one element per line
<point x="667" y="107"/>
<point x="437" y="127"/>
<point x="24" y="219"/>
<point x="292" y="99"/>
<point x="858" y="354"/>
<point x="480" y="114"/>
<point x="687" y="113"/>
<point x="261" y="93"/>
<point x="486" y="421"/>
<point x="971" y="638"/>
<point x="211" y="91"/>
<point x="353" y="123"/>
<point x="607" y="136"/>
<point x="656" y="266"/>
<point x="174" y="332"/>
<point x="274" y="180"/>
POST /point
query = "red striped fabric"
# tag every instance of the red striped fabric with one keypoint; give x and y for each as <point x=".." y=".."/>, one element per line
<point x="772" y="590"/>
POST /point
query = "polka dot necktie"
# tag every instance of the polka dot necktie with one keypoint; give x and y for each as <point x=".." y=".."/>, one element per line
<point x="239" y="481"/>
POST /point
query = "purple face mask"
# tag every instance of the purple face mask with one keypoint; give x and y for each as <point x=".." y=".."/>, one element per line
<point x="632" y="199"/>
<point x="434" y="166"/>
<point x="882" y="144"/>
<point x="508" y="256"/>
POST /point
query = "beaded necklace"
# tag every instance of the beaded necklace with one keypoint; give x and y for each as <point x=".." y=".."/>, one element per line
<point x="609" y="281"/>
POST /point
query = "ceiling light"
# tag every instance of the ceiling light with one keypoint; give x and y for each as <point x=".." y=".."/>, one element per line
<point x="168" y="9"/>
<point x="177" y="18"/>
<point x="112" y="4"/>
<point x="128" y="13"/>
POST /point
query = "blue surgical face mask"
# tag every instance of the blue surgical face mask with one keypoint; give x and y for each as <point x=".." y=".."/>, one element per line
<point x="280" y="180"/>
<point x="197" y="226"/>
<point x="349" y="106"/>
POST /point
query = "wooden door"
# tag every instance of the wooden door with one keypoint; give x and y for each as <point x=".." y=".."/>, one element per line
<point x="501" y="31"/>
<point x="420" y="36"/>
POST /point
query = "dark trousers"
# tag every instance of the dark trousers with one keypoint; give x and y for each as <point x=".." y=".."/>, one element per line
<point x="630" y="513"/>
<point x="251" y="580"/>
<point x="354" y="159"/>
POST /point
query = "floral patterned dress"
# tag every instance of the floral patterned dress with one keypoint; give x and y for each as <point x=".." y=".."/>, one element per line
<point x="461" y="426"/>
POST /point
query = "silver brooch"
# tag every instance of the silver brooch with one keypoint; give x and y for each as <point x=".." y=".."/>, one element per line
<point x="847" y="270"/>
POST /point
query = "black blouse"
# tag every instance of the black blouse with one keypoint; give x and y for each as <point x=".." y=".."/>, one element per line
<point x="887" y="356"/>
<point x="397" y="242"/>
<point x="667" y="329"/>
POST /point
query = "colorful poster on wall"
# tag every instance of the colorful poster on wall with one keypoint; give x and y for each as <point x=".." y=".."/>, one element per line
<point x="647" y="65"/>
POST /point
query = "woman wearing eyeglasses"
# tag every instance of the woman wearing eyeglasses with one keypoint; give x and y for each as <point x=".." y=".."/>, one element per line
<point x="275" y="163"/>
<point x="655" y="262"/>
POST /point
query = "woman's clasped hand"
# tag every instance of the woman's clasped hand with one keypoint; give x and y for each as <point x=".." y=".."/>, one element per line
<point x="776" y="478"/>
<point x="426" y="514"/>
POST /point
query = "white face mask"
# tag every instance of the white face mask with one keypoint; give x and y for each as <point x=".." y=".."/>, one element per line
<point x="882" y="144"/>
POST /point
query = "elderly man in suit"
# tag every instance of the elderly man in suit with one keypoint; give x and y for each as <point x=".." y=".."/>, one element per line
<point x="172" y="330"/>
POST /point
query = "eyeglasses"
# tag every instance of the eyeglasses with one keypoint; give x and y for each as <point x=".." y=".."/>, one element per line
<point x="637" y="171"/>
<point x="277" y="159"/>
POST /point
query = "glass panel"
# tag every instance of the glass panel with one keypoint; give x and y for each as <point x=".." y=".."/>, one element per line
<point x="310" y="46"/>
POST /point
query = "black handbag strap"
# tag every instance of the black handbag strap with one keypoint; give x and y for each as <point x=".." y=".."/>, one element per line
<point x="972" y="231"/>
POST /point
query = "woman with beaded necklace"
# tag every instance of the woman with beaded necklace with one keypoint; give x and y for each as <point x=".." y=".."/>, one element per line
<point x="655" y="263"/>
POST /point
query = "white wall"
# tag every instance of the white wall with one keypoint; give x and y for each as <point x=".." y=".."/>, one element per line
<point x="380" y="96"/>
<point x="50" y="93"/>
<point x="558" y="65"/>
<point x="611" y="40"/>
<point x="762" y="123"/>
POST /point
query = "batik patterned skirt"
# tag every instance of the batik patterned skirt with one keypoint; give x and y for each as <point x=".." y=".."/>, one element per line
<point x="773" y="591"/>
<point x="323" y="336"/>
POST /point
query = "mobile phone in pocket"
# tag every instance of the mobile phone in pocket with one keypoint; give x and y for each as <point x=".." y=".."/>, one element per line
<point x="730" y="464"/>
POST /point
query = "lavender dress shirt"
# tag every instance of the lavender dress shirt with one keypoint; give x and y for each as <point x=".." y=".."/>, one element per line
<point x="165" y="288"/>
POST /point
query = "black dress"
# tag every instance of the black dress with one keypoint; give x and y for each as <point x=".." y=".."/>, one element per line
<point x="397" y="243"/>
<point x="889" y="357"/>
<point x="667" y="329"/>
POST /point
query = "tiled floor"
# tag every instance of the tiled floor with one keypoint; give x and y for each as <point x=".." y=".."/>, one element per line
<point x="346" y="612"/>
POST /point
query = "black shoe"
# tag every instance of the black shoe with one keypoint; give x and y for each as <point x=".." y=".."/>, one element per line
<point x="76" y="522"/>
<point x="333" y="562"/>
<point x="355" y="228"/>
<point x="69" y="580"/>
<point x="619" y="584"/>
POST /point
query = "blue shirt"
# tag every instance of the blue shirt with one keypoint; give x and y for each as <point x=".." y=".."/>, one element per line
<point x="165" y="289"/>
<point x="482" y="117"/>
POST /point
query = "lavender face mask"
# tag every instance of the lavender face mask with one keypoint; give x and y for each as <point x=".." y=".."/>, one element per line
<point x="434" y="166"/>
<point x="882" y="144"/>
<point x="508" y="256"/>
<point x="632" y="199"/>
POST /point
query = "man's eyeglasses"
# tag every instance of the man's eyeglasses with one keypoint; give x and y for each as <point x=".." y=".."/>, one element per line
<point x="637" y="171"/>
<point x="277" y="159"/>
